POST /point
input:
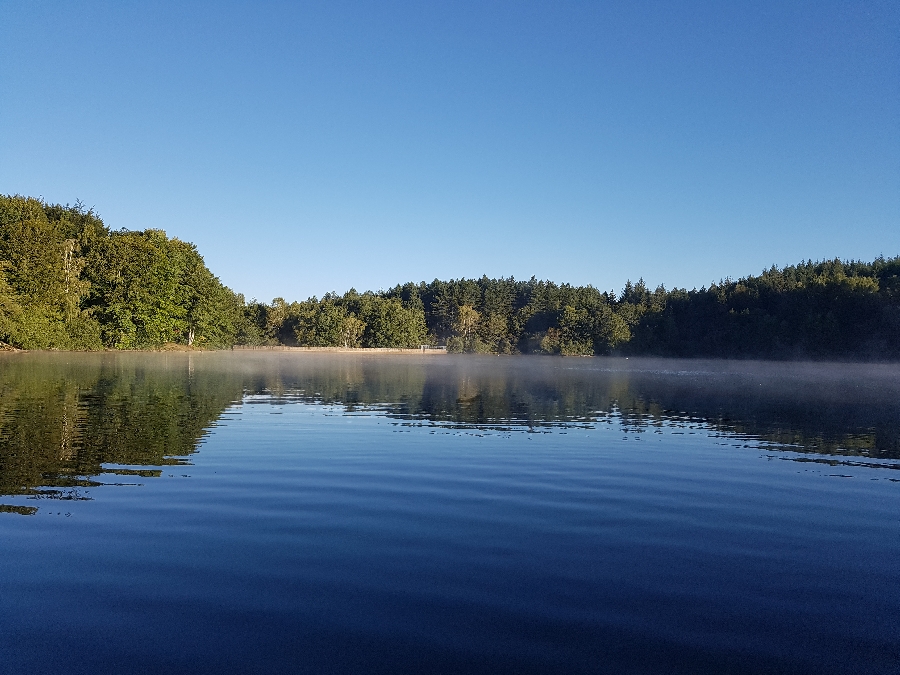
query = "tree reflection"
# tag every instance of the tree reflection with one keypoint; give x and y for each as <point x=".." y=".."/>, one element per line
<point x="65" y="419"/>
<point x="846" y="409"/>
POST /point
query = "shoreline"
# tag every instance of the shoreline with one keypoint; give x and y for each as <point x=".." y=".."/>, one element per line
<point x="434" y="351"/>
<point x="431" y="351"/>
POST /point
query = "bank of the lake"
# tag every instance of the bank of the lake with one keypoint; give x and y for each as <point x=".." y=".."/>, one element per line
<point x="68" y="281"/>
<point x="426" y="350"/>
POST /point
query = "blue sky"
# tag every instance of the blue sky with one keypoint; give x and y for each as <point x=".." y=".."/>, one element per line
<point x="309" y="147"/>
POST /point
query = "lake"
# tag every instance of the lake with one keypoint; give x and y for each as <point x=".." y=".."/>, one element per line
<point x="286" y="513"/>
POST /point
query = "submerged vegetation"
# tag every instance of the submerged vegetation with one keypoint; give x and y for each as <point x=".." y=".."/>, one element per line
<point x="67" y="281"/>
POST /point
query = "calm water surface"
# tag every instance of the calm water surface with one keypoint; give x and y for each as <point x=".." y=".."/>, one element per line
<point x="289" y="513"/>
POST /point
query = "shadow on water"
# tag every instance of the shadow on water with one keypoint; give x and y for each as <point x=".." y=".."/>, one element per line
<point x="71" y="422"/>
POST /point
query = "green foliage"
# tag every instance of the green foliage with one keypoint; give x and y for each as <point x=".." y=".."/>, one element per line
<point x="10" y="311"/>
<point x="355" y="320"/>
<point x="43" y="288"/>
<point x="390" y="324"/>
<point x="68" y="282"/>
<point x="323" y="324"/>
<point x="465" y="328"/>
<point x="831" y="309"/>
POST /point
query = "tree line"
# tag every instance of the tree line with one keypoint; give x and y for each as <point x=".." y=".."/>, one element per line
<point x="67" y="281"/>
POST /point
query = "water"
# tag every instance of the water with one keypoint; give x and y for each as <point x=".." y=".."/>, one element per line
<point x="289" y="513"/>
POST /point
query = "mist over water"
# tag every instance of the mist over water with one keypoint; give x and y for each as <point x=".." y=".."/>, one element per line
<point x="285" y="512"/>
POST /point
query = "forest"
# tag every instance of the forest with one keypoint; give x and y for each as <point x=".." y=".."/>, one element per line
<point x="67" y="281"/>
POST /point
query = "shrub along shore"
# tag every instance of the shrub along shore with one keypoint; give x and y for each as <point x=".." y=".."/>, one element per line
<point x="67" y="281"/>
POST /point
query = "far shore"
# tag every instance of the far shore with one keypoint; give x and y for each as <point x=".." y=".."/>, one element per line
<point x="420" y="351"/>
<point x="346" y="350"/>
<point x="430" y="351"/>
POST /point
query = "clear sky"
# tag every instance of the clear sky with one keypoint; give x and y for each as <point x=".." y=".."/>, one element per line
<point x="308" y="147"/>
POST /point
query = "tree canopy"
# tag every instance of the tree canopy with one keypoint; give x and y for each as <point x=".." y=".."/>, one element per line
<point x="69" y="282"/>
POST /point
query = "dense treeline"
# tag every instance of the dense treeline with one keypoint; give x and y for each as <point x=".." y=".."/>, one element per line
<point x="812" y="310"/>
<point x="67" y="281"/>
<point x="502" y="316"/>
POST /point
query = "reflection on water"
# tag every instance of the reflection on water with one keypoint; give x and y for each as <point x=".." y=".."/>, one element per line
<point x="71" y="422"/>
<point x="66" y="419"/>
<point x="441" y="515"/>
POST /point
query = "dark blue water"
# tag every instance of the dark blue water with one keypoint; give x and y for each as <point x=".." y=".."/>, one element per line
<point x="447" y="515"/>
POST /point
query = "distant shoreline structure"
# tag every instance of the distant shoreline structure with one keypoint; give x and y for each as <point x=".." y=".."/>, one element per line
<point x="424" y="349"/>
